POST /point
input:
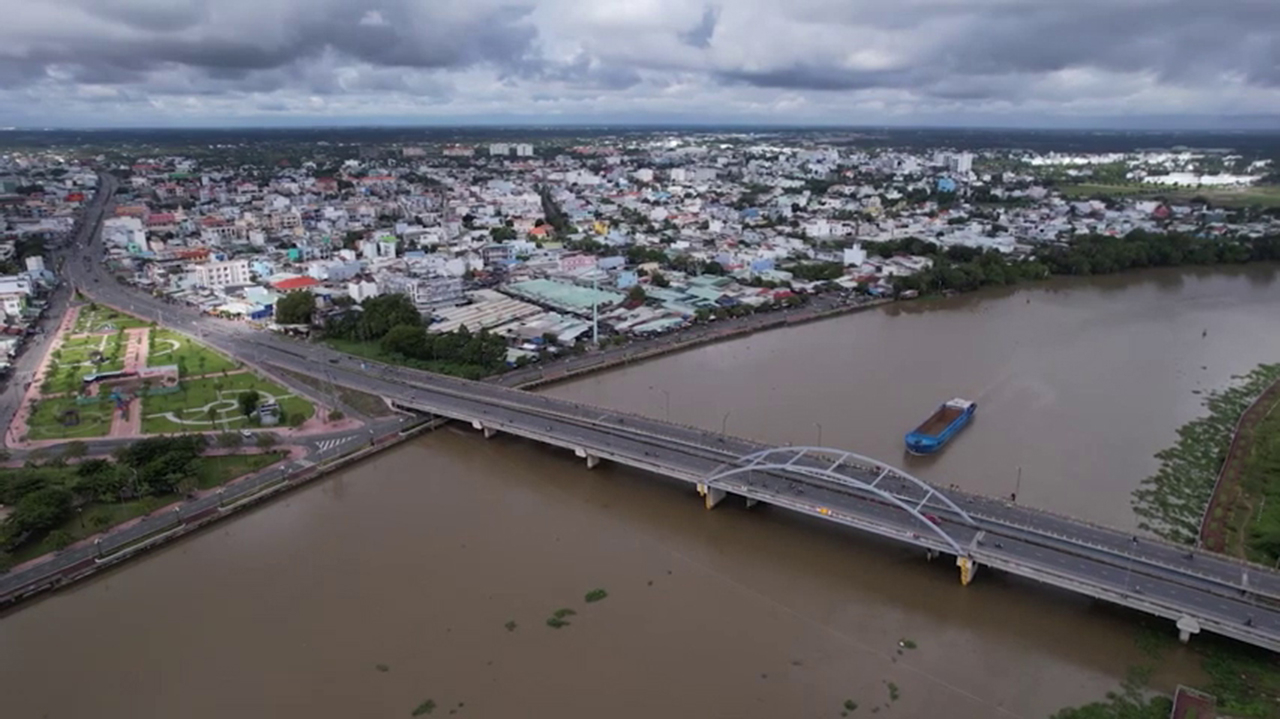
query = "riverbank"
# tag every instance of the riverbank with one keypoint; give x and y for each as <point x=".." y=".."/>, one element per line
<point x="571" y="367"/>
<point x="1234" y="511"/>
<point x="1178" y="501"/>
<point x="166" y="524"/>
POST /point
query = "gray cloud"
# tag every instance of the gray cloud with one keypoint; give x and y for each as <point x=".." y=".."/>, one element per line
<point x="749" y="56"/>
<point x="410" y="36"/>
<point x="699" y="35"/>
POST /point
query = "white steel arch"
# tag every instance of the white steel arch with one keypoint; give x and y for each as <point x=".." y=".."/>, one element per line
<point x="786" y="459"/>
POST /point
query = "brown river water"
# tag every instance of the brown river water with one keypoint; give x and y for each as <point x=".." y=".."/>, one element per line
<point x="417" y="558"/>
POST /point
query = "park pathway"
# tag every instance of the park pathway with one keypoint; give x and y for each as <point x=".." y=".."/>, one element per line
<point x="129" y="422"/>
<point x="18" y="427"/>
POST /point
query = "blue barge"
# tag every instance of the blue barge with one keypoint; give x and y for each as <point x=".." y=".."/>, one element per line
<point x="941" y="426"/>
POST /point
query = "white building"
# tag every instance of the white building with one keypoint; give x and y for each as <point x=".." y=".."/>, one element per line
<point x="361" y="290"/>
<point x="960" y="163"/>
<point x="523" y="150"/>
<point x="222" y="274"/>
<point x="35" y="264"/>
<point x="499" y="148"/>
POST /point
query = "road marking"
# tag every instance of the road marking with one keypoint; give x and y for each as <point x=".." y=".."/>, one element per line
<point x="325" y="445"/>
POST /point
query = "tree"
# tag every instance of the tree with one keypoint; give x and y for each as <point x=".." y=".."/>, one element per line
<point x="295" y="308"/>
<point x="40" y="510"/>
<point x="409" y="340"/>
<point x="249" y="402"/>
<point x="659" y="280"/>
<point x="636" y="294"/>
<point x="228" y="440"/>
<point x="267" y="439"/>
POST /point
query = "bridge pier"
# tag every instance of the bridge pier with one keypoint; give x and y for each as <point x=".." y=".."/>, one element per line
<point x="488" y="431"/>
<point x="592" y="460"/>
<point x="968" y="568"/>
<point x="930" y="554"/>
<point x="1186" y="627"/>
<point x="751" y="502"/>
<point x="711" y="495"/>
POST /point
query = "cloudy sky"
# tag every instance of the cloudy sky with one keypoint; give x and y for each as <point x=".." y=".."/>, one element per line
<point x="101" y="63"/>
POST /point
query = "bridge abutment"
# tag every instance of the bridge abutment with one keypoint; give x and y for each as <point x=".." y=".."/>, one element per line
<point x="968" y="568"/>
<point x="711" y="495"/>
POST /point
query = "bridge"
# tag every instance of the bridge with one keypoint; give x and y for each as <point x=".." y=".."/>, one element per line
<point x="1196" y="590"/>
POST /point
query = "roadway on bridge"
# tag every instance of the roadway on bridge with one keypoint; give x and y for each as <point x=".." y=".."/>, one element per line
<point x="1147" y="574"/>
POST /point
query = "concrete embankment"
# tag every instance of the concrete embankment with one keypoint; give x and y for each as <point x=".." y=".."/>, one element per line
<point x="650" y="349"/>
<point x="171" y="523"/>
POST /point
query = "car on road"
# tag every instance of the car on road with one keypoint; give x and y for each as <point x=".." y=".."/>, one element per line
<point x="333" y="360"/>
<point x="246" y="434"/>
<point x="932" y="518"/>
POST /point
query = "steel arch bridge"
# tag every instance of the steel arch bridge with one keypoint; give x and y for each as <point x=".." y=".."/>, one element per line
<point x="851" y="471"/>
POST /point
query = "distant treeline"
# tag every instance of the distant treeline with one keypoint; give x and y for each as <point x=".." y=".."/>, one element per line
<point x="968" y="268"/>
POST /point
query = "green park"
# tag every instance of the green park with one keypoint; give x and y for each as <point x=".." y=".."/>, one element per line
<point x="96" y="319"/>
<point x="212" y="393"/>
<point x="192" y="358"/>
<point x="56" y="503"/>
<point x="223" y="402"/>
<point x="80" y="356"/>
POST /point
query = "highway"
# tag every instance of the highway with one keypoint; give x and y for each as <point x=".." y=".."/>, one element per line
<point x="1201" y="590"/>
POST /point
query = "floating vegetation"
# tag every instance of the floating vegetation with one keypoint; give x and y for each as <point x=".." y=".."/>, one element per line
<point x="556" y="622"/>
<point x="424" y="708"/>
<point x="511" y="625"/>
<point x="562" y="613"/>
<point x="1172" y="502"/>
<point x="907" y="644"/>
<point x="850" y="705"/>
<point x="893" y="691"/>
<point x="595" y="595"/>
<point x="382" y="667"/>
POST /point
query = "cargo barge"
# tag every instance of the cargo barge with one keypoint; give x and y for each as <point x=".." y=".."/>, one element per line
<point x="941" y="426"/>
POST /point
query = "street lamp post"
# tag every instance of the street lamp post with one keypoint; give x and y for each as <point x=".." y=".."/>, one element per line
<point x="819" y="426"/>
<point x="667" y="395"/>
<point x="724" y="422"/>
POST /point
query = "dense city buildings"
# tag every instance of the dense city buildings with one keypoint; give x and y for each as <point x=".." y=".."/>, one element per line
<point x="553" y="243"/>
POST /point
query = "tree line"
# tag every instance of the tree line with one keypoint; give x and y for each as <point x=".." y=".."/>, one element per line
<point x="961" y="268"/>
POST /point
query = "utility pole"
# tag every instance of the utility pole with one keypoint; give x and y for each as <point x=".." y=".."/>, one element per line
<point x="595" y="310"/>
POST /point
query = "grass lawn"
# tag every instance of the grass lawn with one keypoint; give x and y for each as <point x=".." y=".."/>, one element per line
<point x="192" y="406"/>
<point x="1261" y="196"/>
<point x="220" y="469"/>
<point x="95" y="419"/>
<point x="171" y="348"/>
<point x="93" y="318"/>
<point x="71" y="361"/>
<point x="96" y="517"/>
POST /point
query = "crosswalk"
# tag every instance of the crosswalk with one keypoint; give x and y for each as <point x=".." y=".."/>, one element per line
<point x="325" y="445"/>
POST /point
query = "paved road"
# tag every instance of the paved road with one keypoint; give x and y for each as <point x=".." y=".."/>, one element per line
<point x="1228" y="597"/>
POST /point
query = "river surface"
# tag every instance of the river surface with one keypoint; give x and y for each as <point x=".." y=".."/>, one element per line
<point x="417" y="558"/>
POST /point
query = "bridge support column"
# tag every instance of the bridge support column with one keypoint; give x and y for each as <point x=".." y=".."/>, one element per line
<point x="1186" y="627"/>
<point x="592" y="461"/>
<point x="711" y="495"/>
<point x="752" y="502"/>
<point x="930" y="554"/>
<point x="488" y="431"/>
<point x="968" y="568"/>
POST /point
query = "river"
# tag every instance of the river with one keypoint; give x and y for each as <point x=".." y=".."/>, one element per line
<point x="416" y="559"/>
